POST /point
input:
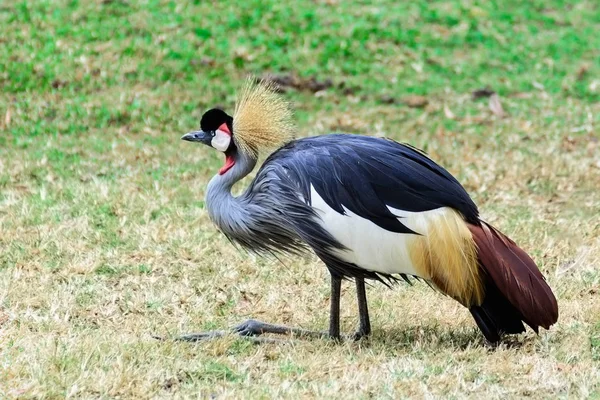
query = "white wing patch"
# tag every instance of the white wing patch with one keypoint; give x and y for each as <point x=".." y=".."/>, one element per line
<point x="370" y="246"/>
<point x="443" y="253"/>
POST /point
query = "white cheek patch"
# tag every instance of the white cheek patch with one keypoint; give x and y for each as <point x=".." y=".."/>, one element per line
<point x="221" y="140"/>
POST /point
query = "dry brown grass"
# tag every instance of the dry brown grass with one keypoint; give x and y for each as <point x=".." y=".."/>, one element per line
<point x="109" y="262"/>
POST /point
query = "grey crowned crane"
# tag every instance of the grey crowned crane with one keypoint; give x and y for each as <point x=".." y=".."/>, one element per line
<point x="369" y="208"/>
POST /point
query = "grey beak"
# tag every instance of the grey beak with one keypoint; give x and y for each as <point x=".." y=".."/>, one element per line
<point x="196" y="136"/>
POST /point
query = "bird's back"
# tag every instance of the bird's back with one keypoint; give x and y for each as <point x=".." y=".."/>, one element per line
<point x="367" y="175"/>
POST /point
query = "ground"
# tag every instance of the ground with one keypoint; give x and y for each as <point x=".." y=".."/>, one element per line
<point x="104" y="239"/>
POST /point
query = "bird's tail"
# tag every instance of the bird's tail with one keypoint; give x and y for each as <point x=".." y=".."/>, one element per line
<point x="515" y="289"/>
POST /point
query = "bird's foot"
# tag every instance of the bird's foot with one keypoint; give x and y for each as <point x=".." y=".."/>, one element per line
<point x="361" y="333"/>
<point x="251" y="329"/>
<point x="197" y="337"/>
<point x="254" y="327"/>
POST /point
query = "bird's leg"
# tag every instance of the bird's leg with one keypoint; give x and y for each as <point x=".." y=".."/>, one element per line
<point x="255" y="328"/>
<point x="364" y="328"/>
<point x="334" y="307"/>
<point x="252" y="327"/>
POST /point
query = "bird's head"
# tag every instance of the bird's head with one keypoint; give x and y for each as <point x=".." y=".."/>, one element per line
<point x="215" y="131"/>
<point x="262" y="120"/>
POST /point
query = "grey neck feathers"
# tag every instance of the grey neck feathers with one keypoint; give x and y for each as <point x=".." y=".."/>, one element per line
<point x="267" y="217"/>
<point x="226" y="211"/>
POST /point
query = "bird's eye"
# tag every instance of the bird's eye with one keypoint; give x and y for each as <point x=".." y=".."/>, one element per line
<point x="213" y="133"/>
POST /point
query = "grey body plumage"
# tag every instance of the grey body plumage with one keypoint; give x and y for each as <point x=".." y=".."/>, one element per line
<point x="258" y="219"/>
<point x="275" y="213"/>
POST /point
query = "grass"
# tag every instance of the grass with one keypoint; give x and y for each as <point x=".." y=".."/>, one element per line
<point x="104" y="240"/>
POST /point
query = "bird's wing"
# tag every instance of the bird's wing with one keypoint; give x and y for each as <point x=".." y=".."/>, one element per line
<point x="366" y="175"/>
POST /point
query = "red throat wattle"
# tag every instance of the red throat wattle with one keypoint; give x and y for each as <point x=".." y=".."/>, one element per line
<point x="229" y="162"/>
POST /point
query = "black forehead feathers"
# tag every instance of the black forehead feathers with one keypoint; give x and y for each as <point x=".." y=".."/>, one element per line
<point x="213" y="118"/>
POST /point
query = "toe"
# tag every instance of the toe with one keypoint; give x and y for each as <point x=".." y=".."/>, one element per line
<point x="248" y="328"/>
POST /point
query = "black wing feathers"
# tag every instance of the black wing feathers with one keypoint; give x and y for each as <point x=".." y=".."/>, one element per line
<point x="365" y="175"/>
